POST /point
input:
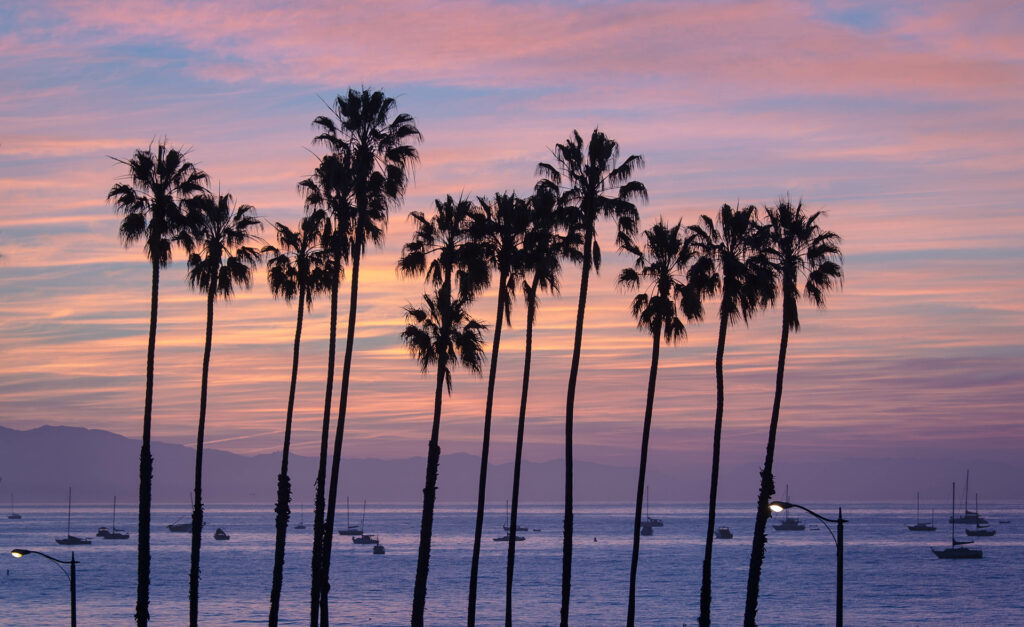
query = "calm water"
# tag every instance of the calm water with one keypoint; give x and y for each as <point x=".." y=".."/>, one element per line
<point x="891" y="576"/>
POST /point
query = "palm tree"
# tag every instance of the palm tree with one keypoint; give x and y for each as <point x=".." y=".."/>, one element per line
<point x="590" y="185"/>
<point x="364" y="126"/>
<point x="442" y="333"/>
<point x="222" y="262"/>
<point x="328" y="190"/>
<point x="158" y="184"/>
<point x="542" y="253"/>
<point x="500" y="227"/>
<point x="660" y="271"/>
<point x="298" y="270"/>
<point x="798" y="251"/>
<point x="728" y="245"/>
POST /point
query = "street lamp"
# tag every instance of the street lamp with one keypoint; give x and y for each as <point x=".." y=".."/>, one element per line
<point x="778" y="506"/>
<point x="71" y="577"/>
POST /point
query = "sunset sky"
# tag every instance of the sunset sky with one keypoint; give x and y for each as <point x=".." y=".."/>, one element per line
<point x="903" y="121"/>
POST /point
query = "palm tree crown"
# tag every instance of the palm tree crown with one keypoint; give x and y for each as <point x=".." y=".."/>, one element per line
<point x="499" y="228"/>
<point x="445" y="247"/>
<point x="798" y="249"/>
<point x="590" y="185"/>
<point x="444" y="332"/>
<point x="151" y="201"/>
<point x="664" y="271"/>
<point x="299" y="266"/>
<point x="222" y="259"/>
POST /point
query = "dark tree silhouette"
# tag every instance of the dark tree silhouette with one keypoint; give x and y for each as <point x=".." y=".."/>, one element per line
<point x="297" y="270"/>
<point x="499" y="228"/>
<point x="542" y="253"/>
<point x="363" y="125"/>
<point x="797" y="251"/>
<point x="442" y="333"/>
<point x="151" y="199"/>
<point x="729" y="246"/>
<point x="590" y="185"/>
<point x="663" y="272"/>
<point x="328" y="190"/>
<point x="221" y="262"/>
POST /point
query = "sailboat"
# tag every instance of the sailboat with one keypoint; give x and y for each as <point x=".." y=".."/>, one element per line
<point x="301" y="525"/>
<point x="969" y="517"/>
<point x="979" y="530"/>
<point x="350" y="529"/>
<point x="506" y="525"/>
<point x="183" y="527"/>
<point x="72" y="540"/>
<point x="789" y="524"/>
<point x="13" y="515"/>
<point x="956" y="550"/>
<point x="652" y="522"/>
<point x="920" y="526"/>
<point x="113" y="533"/>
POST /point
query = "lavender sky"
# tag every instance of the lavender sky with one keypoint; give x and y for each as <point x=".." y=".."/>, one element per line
<point x="901" y="120"/>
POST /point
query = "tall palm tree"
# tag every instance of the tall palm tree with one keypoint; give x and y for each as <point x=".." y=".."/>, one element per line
<point x="329" y="191"/>
<point x="591" y="184"/>
<point x="662" y="272"/>
<point x="500" y="227"/>
<point x="157" y="185"/>
<point x="798" y="251"/>
<point x="222" y="262"/>
<point x="443" y="248"/>
<point x="729" y="246"/>
<point x="296" y="270"/>
<point x="379" y="142"/>
<point x="542" y="253"/>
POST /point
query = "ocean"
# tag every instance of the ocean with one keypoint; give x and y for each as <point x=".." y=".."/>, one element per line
<point x="891" y="576"/>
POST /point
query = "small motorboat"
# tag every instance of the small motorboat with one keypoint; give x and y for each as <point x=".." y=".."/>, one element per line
<point x="507" y="538"/>
<point x="220" y="534"/>
<point x="378" y="549"/>
<point x="723" y="533"/>
<point x="365" y="539"/>
<point x="646" y="529"/>
<point x="184" y="527"/>
<point x="999" y="521"/>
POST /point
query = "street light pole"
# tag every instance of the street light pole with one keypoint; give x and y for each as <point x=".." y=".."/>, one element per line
<point x="778" y="506"/>
<point x="71" y="577"/>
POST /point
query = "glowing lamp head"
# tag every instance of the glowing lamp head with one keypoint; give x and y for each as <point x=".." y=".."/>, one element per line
<point x="777" y="506"/>
<point x="19" y="552"/>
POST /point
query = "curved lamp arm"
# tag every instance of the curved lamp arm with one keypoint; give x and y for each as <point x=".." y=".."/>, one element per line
<point x="24" y="552"/>
<point x="778" y="506"/>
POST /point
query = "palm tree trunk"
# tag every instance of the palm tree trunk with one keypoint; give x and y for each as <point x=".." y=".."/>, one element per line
<point x="146" y="464"/>
<point x="767" y="489"/>
<point x="284" y="487"/>
<point x="570" y="402"/>
<point x="197" y="506"/>
<point x="339" y="435"/>
<point x="705" y="583"/>
<point x="531" y="305"/>
<point x="642" y="479"/>
<point x="419" y="595"/>
<point x="485" y="450"/>
<point x="318" y="516"/>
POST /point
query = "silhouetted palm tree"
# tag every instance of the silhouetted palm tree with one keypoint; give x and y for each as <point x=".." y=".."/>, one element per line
<point x="158" y="183"/>
<point x="729" y="245"/>
<point x="442" y="333"/>
<point x="500" y="227"/>
<point x="298" y="270"/>
<point x="222" y="262"/>
<point x="798" y="250"/>
<point x="663" y="272"/>
<point x="590" y="185"/>
<point x="542" y="253"/>
<point x="364" y="126"/>
<point x="328" y="190"/>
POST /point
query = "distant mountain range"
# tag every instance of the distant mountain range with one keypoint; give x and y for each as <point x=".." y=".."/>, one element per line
<point x="38" y="465"/>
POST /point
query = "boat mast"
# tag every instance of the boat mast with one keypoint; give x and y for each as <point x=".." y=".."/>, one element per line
<point x="919" y="508"/>
<point x="952" y="527"/>
<point x="69" y="511"/>
<point x="362" y="521"/>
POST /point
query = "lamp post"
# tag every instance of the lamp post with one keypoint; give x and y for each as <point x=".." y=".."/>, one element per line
<point x="778" y="506"/>
<point x="71" y="577"/>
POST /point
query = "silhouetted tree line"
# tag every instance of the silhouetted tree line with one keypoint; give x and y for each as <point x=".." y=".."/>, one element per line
<point x="748" y="258"/>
